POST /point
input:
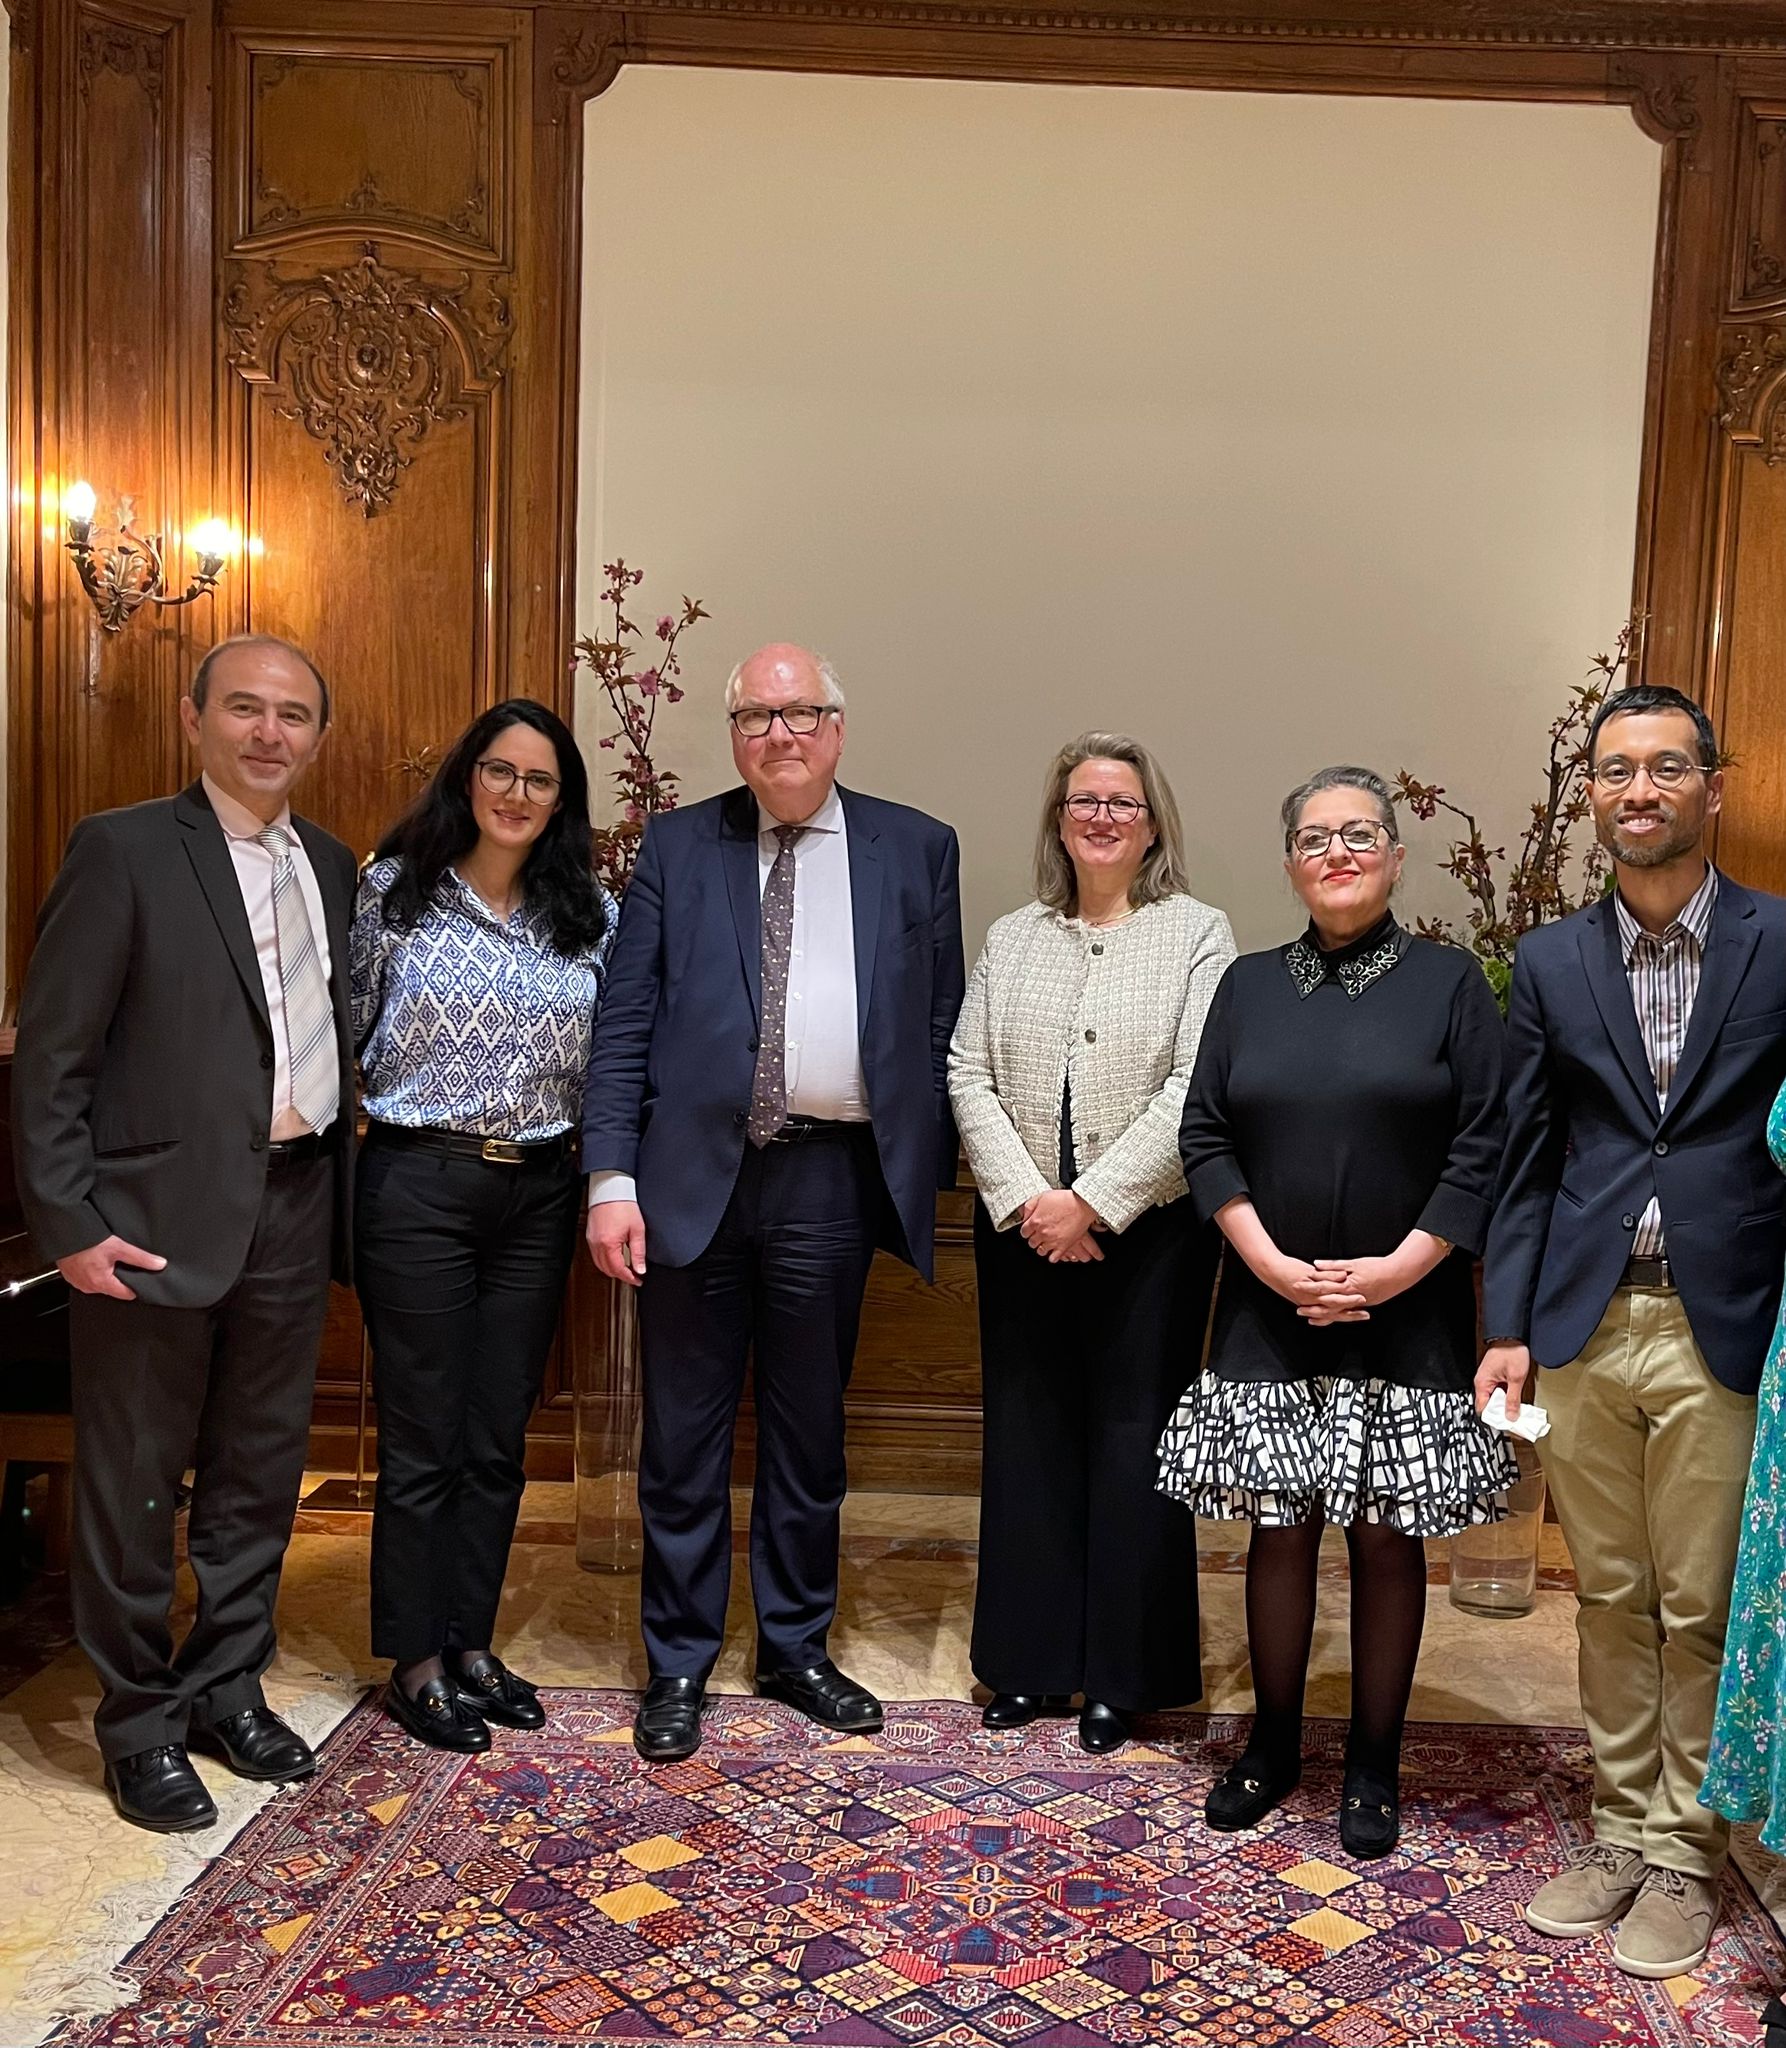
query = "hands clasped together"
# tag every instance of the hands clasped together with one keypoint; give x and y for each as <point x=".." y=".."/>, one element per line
<point x="1059" y="1225"/>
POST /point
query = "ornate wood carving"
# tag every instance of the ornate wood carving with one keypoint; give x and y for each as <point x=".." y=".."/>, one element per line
<point x="1752" y="384"/>
<point x="415" y="146"/>
<point x="588" y="58"/>
<point x="117" y="46"/>
<point x="1760" y="268"/>
<point x="1664" y="100"/>
<point x="367" y="359"/>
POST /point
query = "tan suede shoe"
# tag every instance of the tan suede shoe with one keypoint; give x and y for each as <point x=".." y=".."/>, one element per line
<point x="1596" y="1889"/>
<point x="1669" y="1929"/>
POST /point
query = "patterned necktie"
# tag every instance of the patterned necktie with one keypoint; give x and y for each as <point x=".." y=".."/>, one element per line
<point x="769" y="1089"/>
<point x="304" y="989"/>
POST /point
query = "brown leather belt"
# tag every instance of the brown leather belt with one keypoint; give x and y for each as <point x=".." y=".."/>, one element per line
<point x="1651" y="1273"/>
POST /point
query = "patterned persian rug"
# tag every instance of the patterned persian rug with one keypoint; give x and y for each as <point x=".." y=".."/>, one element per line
<point x="933" y="1885"/>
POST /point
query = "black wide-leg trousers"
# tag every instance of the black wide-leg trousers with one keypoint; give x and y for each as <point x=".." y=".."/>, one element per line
<point x="461" y="1265"/>
<point x="225" y="1390"/>
<point x="1088" y="1576"/>
<point x="780" y="1285"/>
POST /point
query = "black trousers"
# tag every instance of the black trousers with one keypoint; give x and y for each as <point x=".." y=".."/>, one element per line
<point x="227" y="1391"/>
<point x="461" y="1265"/>
<point x="781" y="1284"/>
<point x="1088" y="1577"/>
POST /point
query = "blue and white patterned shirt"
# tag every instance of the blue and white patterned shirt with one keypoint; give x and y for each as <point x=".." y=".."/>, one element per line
<point x="469" y="1024"/>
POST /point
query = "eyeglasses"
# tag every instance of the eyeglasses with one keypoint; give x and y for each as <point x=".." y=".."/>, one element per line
<point x="752" y="721"/>
<point x="1311" y="842"/>
<point x="499" y="777"/>
<point x="1123" y="810"/>
<point x="1666" y="771"/>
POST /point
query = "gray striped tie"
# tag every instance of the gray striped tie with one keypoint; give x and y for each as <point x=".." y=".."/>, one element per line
<point x="309" y="1012"/>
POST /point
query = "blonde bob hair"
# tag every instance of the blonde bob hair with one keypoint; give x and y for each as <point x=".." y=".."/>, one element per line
<point x="1162" y="872"/>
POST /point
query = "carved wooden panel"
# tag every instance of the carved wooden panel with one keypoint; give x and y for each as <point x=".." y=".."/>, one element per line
<point x="1760" y="241"/>
<point x="1750" y="700"/>
<point x="361" y="141"/>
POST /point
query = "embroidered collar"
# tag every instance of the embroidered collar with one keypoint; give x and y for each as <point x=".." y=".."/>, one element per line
<point x="1354" y="966"/>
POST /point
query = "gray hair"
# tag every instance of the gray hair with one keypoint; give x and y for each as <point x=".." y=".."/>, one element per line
<point x="1162" y="873"/>
<point x="828" y="681"/>
<point x="1366" y="780"/>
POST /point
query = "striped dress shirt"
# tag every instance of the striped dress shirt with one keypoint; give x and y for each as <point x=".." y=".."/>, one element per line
<point x="1664" y="971"/>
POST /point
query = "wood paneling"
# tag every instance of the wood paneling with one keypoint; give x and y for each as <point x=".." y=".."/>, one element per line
<point x="366" y="353"/>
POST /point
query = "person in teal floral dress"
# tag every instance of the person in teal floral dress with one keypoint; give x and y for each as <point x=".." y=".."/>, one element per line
<point x="1746" y="1775"/>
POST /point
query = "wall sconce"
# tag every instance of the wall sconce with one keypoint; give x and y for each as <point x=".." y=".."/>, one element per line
<point x="132" y="572"/>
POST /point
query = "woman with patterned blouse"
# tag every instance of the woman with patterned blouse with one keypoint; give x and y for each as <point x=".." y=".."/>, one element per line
<point x="1344" y="1130"/>
<point x="1067" y="1072"/>
<point x="478" y="948"/>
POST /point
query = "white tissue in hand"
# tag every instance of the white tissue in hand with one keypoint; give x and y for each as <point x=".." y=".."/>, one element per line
<point x="1530" y="1423"/>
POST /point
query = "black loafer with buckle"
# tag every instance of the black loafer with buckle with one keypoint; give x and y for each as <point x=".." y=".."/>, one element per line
<point x="1246" y="1793"/>
<point x="491" y="1689"/>
<point x="438" y="1715"/>
<point x="1370" y="1816"/>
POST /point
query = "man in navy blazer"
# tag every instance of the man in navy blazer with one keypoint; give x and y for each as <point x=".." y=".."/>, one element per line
<point x="1636" y="1251"/>
<point x="766" y="1104"/>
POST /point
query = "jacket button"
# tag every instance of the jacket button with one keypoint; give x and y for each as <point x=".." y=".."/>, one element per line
<point x="1097" y="950"/>
<point x="752" y="1046"/>
<point x="741" y="1117"/>
<point x="1091" y="1137"/>
<point x="1661" y="1147"/>
<point x="266" y="1059"/>
<point x="1091" y="1038"/>
<point x="257" y="1143"/>
<point x="1630" y="1222"/>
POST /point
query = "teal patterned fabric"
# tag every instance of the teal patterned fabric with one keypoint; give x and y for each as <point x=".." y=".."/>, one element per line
<point x="1747" y="1776"/>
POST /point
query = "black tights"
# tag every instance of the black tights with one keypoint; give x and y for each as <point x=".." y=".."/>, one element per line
<point x="1388" y="1613"/>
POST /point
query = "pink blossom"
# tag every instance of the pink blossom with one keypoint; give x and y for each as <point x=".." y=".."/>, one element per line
<point x="665" y="626"/>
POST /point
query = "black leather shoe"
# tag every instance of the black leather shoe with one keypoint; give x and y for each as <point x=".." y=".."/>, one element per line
<point x="1019" y="1709"/>
<point x="1246" y="1793"/>
<point x="256" y="1744"/>
<point x="438" y="1716"/>
<point x="667" y="1726"/>
<point x="1370" y="1816"/>
<point x="159" y="1789"/>
<point x="487" y="1685"/>
<point x="1102" y="1728"/>
<point x="823" y="1694"/>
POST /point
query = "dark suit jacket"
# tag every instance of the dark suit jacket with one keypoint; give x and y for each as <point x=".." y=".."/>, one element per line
<point x="1587" y="1146"/>
<point x="143" y="1078"/>
<point x="674" y="1055"/>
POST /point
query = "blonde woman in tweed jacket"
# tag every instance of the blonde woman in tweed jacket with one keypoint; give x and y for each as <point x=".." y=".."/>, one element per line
<point x="1068" y="1072"/>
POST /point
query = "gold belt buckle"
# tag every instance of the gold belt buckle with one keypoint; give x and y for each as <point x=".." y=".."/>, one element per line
<point x="504" y="1152"/>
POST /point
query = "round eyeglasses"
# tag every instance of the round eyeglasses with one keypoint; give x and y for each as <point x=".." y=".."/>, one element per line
<point x="499" y="777"/>
<point x="1666" y="771"/>
<point x="752" y="721"/>
<point x="1122" y="810"/>
<point x="1310" y="842"/>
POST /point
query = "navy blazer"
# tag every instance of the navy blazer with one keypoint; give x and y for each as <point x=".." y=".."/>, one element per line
<point x="674" y="1053"/>
<point x="1587" y="1145"/>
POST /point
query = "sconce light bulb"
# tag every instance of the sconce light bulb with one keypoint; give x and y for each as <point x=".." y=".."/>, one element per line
<point x="213" y="539"/>
<point x="80" y="501"/>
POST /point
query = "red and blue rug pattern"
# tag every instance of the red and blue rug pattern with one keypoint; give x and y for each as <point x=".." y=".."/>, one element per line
<point x="935" y="1886"/>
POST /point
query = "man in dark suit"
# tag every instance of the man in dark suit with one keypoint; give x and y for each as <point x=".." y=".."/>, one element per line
<point x="182" y="1118"/>
<point x="1636" y="1250"/>
<point x="766" y="1104"/>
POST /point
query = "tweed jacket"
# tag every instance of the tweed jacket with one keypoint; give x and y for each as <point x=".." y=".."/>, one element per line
<point x="1119" y="1010"/>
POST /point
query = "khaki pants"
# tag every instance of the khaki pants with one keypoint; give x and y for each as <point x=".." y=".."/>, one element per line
<point x="1647" y="1459"/>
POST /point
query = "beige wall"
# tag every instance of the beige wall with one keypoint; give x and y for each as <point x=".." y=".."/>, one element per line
<point x="1275" y="429"/>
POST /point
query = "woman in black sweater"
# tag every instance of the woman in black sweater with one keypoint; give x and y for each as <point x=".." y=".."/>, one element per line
<point x="1344" y="1129"/>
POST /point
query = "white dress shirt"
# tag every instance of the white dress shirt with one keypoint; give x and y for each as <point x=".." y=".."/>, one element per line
<point x="823" y="1038"/>
<point x="254" y="874"/>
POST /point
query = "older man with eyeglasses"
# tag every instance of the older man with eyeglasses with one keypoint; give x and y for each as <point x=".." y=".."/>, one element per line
<point x="1635" y="1254"/>
<point x="767" y="1104"/>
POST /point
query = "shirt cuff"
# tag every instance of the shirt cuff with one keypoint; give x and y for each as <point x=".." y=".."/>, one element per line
<point x="611" y="1186"/>
<point x="1216" y="1183"/>
<point x="1461" y="1218"/>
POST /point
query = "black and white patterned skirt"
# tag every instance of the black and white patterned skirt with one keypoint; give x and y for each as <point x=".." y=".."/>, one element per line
<point x="1282" y="1452"/>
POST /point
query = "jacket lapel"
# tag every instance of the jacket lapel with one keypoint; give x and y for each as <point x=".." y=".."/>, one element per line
<point x="208" y="850"/>
<point x="865" y="903"/>
<point x="738" y="854"/>
<point x="1727" y="955"/>
<point x="1598" y="940"/>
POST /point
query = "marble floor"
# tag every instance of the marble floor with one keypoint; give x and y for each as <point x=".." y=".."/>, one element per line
<point x="80" y="1886"/>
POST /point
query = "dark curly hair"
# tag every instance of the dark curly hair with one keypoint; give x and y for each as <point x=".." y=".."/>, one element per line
<point x="439" y="828"/>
